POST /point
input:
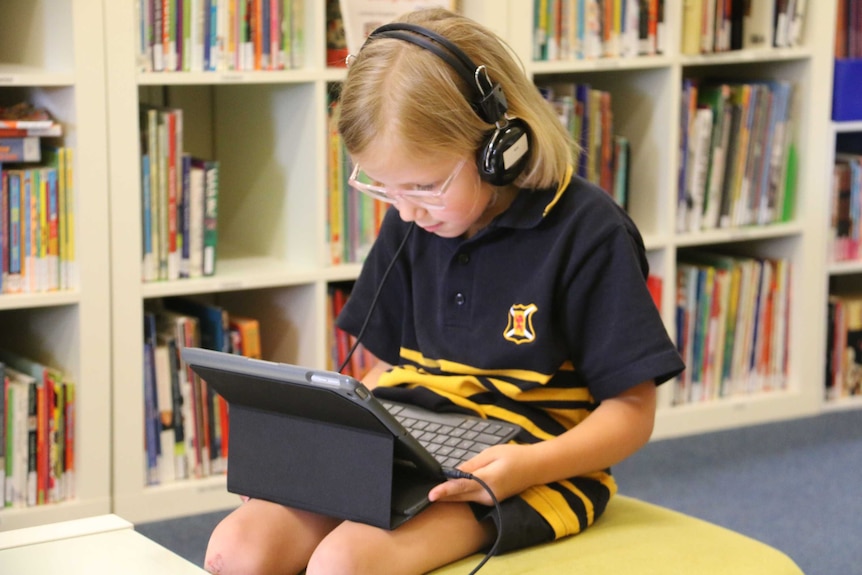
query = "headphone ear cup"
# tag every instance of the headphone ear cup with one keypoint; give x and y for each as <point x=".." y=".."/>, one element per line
<point x="504" y="155"/>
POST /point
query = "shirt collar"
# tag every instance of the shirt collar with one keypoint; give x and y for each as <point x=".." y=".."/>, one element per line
<point x="529" y="208"/>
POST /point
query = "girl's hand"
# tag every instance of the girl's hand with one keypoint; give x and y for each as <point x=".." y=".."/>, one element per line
<point x="505" y="468"/>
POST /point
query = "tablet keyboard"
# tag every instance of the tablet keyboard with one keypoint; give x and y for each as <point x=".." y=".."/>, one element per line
<point x="450" y="438"/>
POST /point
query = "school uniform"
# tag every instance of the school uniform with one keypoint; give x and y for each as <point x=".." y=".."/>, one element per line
<point x="535" y="320"/>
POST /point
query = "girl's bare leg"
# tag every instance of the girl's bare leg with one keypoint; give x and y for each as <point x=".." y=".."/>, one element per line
<point x="261" y="538"/>
<point x="443" y="533"/>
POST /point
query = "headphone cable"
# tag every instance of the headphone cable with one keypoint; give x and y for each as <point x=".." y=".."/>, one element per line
<point x="375" y="298"/>
<point x="450" y="473"/>
<point x="458" y="474"/>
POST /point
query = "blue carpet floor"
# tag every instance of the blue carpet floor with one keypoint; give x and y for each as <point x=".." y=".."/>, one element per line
<point x="795" y="485"/>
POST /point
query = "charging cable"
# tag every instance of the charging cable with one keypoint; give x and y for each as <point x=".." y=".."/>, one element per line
<point x="458" y="474"/>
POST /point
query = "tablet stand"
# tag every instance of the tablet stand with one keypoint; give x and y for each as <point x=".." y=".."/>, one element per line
<point x="319" y="467"/>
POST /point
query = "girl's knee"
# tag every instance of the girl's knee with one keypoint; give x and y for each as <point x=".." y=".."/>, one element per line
<point x="335" y="555"/>
<point x="227" y="549"/>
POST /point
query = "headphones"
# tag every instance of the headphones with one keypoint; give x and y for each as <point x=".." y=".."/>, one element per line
<point x="504" y="154"/>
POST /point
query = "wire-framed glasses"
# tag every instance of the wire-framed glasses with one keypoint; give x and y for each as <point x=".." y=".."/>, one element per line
<point x="430" y="197"/>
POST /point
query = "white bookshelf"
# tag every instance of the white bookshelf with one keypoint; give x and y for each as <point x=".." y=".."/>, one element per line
<point x="841" y="276"/>
<point x="52" y="54"/>
<point x="646" y="99"/>
<point x="268" y="130"/>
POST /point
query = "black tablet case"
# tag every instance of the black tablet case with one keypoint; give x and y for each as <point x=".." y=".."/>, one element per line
<point x="313" y="449"/>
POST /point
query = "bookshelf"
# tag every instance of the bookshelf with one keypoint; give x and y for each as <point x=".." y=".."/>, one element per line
<point x="50" y="57"/>
<point x="844" y="276"/>
<point x="268" y="130"/>
<point x="646" y="102"/>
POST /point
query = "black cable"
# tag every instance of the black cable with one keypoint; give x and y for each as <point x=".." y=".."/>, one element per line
<point x="376" y="297"/>
<point x="458" y="474"/>
<point x="450" y="473"/>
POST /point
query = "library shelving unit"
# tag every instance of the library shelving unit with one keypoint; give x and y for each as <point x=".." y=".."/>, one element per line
<point x="52" y="55"/>
<point x="268" y="130"/>
<point x="646" y="94"/>
<point x="839" y="277"/>
<point x="842" y="276"/>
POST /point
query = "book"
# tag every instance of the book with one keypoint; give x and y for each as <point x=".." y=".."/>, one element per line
<point x="13" y="277"/>
<point x="18" y="389"/>
<point x="796" y="22"/>
<point x="699" y="142"/>
<point x="716" y="97"/>
<point x="361" y="17"/>
<point x="687" y="107"/>
<point x="24" y="149"/>
<point x="25" y="116"/>
<point x="151" y="421"/>
<point x="3" y="385"/>
<point x="210" y="215"/>
<point x="692" y="16"/>
<point x="655" y="285"/>
<point x="4" y="230"/>
<point x="840" y="220"/>
<point x="53" y="131"/>
<point x="336" y="43"/>
<point x="247" y="330"/>
<point x="194" y="242"/>
<point x="757" y="23"/>
<point x="846" y="376"/>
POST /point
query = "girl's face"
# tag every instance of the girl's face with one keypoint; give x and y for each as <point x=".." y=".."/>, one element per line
<point x="466" y="205"/>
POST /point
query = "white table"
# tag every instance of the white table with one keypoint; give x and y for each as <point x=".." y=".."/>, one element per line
<point x="105" y="544"/>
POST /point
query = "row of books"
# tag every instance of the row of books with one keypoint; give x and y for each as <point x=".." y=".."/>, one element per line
<point x="587" y="29"/>
<point x="353" y="218"/>
<point x="737" y="158"/>
<point x="848" y="29"/>
<point x="844" y="346"/>
<point x="710" y="26"/>
<point x="186" y="424"/>
<point x="179" y="201"/>
<point x="219" y="35"/>
<point x="604" y="157"/>
<point x="846" y="213"/>
<point x="37" y="224"/>
<point x="732" y="326"/>
<point x="22" y="127"/>
<point x="37" y="433"/>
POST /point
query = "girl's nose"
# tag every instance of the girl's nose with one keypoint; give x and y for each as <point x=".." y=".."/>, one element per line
<point x="408" y="211"/>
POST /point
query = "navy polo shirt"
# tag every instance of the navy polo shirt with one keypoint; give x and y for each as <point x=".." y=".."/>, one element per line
<point x="535" y="319"/>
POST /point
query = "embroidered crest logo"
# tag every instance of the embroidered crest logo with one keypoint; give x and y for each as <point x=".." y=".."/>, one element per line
<point x="519" y="328"/>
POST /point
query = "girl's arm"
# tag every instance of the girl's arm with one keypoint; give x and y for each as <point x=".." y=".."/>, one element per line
<point x="373" y="374"/>
<point x="615" y="430"/>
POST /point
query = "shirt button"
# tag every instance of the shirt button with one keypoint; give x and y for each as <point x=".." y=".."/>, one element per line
<point x="460" y="299"/>
<point x="464" y="259"/>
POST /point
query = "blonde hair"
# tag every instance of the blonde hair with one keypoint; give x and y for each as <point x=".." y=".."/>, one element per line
<point x="399" y="90"/>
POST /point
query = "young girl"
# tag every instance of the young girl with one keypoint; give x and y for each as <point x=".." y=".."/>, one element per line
<point x="509" y="288"/>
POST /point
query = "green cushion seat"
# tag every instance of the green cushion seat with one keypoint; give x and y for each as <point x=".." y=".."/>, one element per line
<point x="638" y="538"/>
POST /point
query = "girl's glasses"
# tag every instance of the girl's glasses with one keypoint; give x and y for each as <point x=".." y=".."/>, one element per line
<point x="429" y="197"/>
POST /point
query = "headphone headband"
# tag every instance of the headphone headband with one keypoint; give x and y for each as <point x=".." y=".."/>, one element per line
<point x="505" y="151"/>
<point x="488" y="100"/>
